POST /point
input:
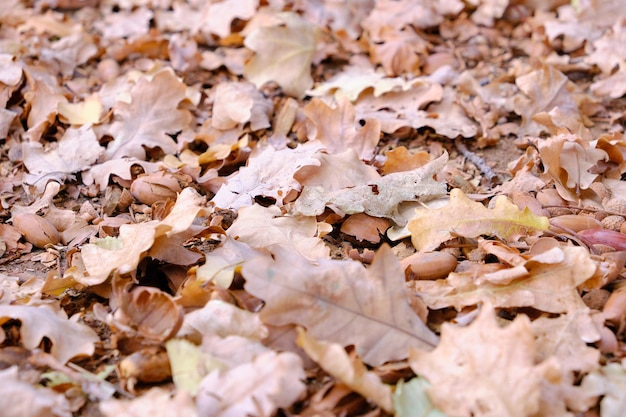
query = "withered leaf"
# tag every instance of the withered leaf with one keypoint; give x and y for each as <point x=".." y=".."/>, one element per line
<point x="337" y="300"/>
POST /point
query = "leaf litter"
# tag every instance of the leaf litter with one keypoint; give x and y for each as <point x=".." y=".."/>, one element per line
<point x="321" y="208"/>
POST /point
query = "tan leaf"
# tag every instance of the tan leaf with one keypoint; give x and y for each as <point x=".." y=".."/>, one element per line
<point x="400" y="159"/>
<point x="377" y="198"/>
<point x="348" y="369"/>
<point x="467" y="218"/>
<point x="282" y="54"/>
<point x="266" y="227"/>
<point x="76" y="151"/>
<point x="337" y="171"/>
<point x="336" y="300"/>
<point x="399" y="51"/>
<point x="484" y="369"/>
<point x="21" y="399"/>
<point x="149" y="117"/>
<point x="258" y="388"/>
<point x="157" y="402"/>
<point x="86" y="112"/>
<point x="269" y="173"/>
<point x="549" y="284"/>
<point x="69" y="339"/>
<point x="216" y="17"/>
<point x="544" y="89"/>
<point x="364" y="227"/>
<point x="336" y="128"/>
<point x="609" y="381"/>
<point x="239" y="103"/>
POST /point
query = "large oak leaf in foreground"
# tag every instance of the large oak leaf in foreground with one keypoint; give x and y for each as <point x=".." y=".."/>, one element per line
<point x="485" y="370"/>
<point x="341" y="302"/>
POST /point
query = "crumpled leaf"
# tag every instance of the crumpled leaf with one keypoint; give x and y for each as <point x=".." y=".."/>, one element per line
<point x="337" y="171"/>
<point x="76" y="151"/>
<point x="69" y="339"/>
<point x="547" y="282"/>
<point x="157" y="402"/>
<point x="282" y="54"/>
<point x="410" y="399"/>
<point x="336" y="300"/>
<point x="21" y="399"/>
<point x="239" y="103"/>
<point x="335" y="128"/>
<point x="257" y="388"/>
<point x="348" y="369"/>
<point x="220" y="264"/>
<point x="149" y="117"/>
<point x="267" y="227"/>
<point x="377" y="198"/>
<point x="484" y="369"/>
<point x="269" y="173"/>
<point x="467" y="218"/>
<point x="155" y="238"/>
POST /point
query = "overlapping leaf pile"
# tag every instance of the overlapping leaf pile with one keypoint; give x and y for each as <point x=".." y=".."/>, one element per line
<point x="236" y="207"/>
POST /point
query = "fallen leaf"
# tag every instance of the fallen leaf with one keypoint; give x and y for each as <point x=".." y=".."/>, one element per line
<point x="21" y="399"/>
<point x="335" y="128"/>
<point x="467" y="218"/>
<point x="609" y="381"/>
<point x="484" y="369"/>
<point x="410" y="399"/>
<point x="335" y="300"/>
<point x="69" y="339"/>
<point x="146" y="121"/>
<point x="282" y="54"/>
<point x="377" y="198"/>
<point x="549" y="284"/>
<point x="258" y="388"/>
<point x="239" y="103"/>
<point x="267" y="227"/>
<point x="157" y="402"/>
<point x="348" y="369"/>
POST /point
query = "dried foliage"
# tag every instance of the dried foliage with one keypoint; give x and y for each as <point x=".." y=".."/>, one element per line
<point x="312" y="208"/>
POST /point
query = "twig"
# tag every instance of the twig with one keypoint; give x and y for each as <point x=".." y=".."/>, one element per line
<point x="475" y="159"/>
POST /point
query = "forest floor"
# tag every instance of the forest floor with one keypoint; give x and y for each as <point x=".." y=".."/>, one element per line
<point x="312" y="208"/>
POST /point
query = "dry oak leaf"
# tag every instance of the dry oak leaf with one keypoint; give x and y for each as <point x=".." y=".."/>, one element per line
<point x="151" y="115"/>
<point x="266" y="227"/>
<point x="69" y="339"/>
<point x="377" y="198"/>
<point x="238" y="103"/>
<point x="21" y="399"/>
<point x="157" y="402"/>
<point x="221" y="264"/>
<point x="336" y="300"/>
<point x="269" y="173"/>
<point x="336" y="128"/>
<point x="77" y="150"/>
<point x="348" y="369"/>
<point x="282" y="54"/>
<point x="609" y="381"/>
<point x="337" y="171"/>
<point x="570" y="160"/>
<point x="543" y="90"/>
<point x="484" y="370"/>
<point x="467" y="218"/>
<point x="216" y="17"/>
<point x="122" y="168"/>
<point x="549" y="284"/>
<point x="256" y="389"/>
<point x="158" y="239"/>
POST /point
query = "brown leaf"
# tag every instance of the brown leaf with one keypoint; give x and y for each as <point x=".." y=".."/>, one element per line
<point x="336" y="300"/>
<point x="484" y="369"/>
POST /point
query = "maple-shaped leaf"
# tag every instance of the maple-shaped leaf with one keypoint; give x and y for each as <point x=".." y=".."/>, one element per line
<point x="151" y="115"/>
<point x="258" y="388"/>
<point x="547" y="282"/>
<point x="282" y="54"/>
<point x="377" y="198"/>
<point x="336" y="128"/>
<point x="68" y="339"/>
<point x="76" y="150"/>
<point x="269" y="173"/>
<point x="348" y="369"/>
<point x="266" y="227"/>
<point x="485" y="370"/>
<point x="336" y="300"/>
<point x="467" y="218"/>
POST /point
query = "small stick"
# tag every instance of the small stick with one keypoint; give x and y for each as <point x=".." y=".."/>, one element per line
<point x="475" y="159"/>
